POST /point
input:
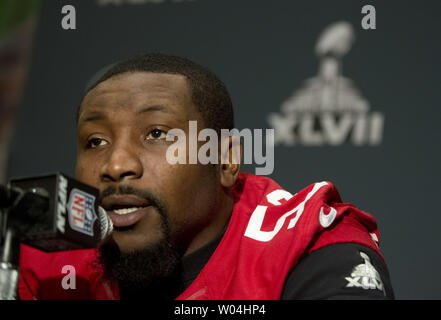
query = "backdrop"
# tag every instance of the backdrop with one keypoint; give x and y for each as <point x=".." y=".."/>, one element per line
<point x="353" y="98"/>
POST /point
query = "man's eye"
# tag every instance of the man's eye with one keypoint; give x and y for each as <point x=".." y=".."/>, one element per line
<point x="156" y="134"/>
<point x="95" y="142"/>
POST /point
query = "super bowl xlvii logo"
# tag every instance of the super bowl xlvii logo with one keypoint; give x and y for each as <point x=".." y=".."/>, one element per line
<point x="328" y="109"/>
<point x="365" y="276"/>
<point x="81" y="210"/>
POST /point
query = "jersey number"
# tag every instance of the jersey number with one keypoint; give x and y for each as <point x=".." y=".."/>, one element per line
<point x="255" y="223"/>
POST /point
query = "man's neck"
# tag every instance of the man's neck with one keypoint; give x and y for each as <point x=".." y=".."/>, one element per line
<point x="219" y="218"/>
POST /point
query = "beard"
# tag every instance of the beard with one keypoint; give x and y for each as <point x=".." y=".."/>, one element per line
<point x="152" y="272"/>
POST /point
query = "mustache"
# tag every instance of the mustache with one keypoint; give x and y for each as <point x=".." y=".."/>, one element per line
<point x="154" y="200"/>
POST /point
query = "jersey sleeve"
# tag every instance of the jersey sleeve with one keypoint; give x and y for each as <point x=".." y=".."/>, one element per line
<point x="339" y="271"/>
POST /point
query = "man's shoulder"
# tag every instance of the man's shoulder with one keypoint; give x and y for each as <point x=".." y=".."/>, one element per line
<point x="265" y="192"/>
<point x="315" y="214"/>
<point x="262" y="186"/>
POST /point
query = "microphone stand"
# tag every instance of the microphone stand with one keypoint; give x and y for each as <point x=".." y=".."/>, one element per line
<point x="9" y="249"/>
<point x="9" y="265"/>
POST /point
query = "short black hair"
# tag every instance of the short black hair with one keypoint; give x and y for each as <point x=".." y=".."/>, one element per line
<point x="208" y="93"/>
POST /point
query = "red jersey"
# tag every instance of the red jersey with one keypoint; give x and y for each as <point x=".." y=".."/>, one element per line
<point x="269" y="231"/>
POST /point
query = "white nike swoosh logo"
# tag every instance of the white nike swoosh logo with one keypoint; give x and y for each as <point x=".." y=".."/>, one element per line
<point x="327" y="219"/>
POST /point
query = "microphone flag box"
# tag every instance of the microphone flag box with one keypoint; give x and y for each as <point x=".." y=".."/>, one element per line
<point x="68" y="219"/>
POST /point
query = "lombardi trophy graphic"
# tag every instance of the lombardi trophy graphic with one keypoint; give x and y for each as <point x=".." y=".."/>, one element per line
<point x="328" y="109"/>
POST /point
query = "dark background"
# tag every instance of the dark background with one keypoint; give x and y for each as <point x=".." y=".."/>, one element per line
<point x="264" y="51"/>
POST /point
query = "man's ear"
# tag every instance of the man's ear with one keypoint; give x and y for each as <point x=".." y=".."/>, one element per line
<point x="231" y="155"/>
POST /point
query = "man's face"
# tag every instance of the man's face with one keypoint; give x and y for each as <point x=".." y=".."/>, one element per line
<point x="122" y="151"/>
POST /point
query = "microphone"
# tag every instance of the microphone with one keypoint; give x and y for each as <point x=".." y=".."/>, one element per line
<point x="57" y="213"/>
<point x="51" y="213"/>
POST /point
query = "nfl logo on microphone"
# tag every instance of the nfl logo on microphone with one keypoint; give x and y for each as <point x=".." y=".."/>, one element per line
<point x="81" y="211"/>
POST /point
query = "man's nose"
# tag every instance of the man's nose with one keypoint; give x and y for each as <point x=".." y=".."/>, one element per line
<point x="123" y="163"/>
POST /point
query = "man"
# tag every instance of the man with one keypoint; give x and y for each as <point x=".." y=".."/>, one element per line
<point x="198" y="231"/>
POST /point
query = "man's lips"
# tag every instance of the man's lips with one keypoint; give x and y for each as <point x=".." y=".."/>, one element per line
<point x="122" y="203"/>
<point x="128" y="219"/>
